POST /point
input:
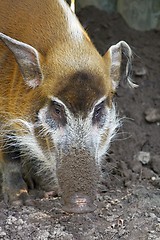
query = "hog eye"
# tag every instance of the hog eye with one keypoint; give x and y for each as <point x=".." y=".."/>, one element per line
<point x="57" y="114"/>
<point x="56" y="108"/>
<point x="98" y="111"/>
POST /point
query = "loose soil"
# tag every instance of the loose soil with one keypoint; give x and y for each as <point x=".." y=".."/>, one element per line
<point x="129" y="195"/>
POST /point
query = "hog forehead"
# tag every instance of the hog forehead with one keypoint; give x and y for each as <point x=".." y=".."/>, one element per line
<point x="82" y="91"/>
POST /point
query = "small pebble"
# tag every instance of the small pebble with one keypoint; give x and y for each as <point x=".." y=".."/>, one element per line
<point x="152" y="215"/>
<point x="2" y="234"/>
<point x="140" y="71"/>
<point x="144" y="157"/>
<point x="152" y="115"/>
<point x="158" y="227"/>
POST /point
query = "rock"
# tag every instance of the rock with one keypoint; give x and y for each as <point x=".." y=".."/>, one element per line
<point x="152" y="115"/>
<point x="156" y="182"/>
<point x="107" y="5"/>
<point x="135" y="17"/>
<point x="158" y="227"/>
<point x="2" y="233"/>
<point x="43" y="235"/>
<point x="143" y="157"/>
<point x="139" y="71"/>
<point x="153" y="216"/>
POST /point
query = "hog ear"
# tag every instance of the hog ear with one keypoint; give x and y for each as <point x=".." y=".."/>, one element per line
<point x="27" y="58"/>
<point x="113" y="57"/>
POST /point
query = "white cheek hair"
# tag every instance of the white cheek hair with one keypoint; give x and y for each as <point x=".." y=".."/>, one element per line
<point x="31" y="150"/>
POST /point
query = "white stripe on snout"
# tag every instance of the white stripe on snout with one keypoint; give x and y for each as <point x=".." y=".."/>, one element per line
<point x="100" y="100"/>
<point x="57" y="100"/>
<point x="74" y="26"/>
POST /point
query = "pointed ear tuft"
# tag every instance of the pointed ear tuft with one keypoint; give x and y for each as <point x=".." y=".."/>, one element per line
<point x="114" y="57"/>
<point x="27" y="58"/>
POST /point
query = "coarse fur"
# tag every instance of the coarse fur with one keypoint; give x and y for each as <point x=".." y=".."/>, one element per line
<point x="55" y="97"/>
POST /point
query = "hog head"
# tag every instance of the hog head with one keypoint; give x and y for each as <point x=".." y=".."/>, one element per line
<point x="77" y="114"/>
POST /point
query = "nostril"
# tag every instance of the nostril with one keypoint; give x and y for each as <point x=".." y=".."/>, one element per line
<point x="79" y="203"/>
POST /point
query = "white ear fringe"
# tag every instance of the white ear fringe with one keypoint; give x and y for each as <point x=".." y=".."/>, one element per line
<point x="128" y="53"/>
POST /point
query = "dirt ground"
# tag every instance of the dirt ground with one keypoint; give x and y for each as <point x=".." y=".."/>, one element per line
<point x="129" y="195"/>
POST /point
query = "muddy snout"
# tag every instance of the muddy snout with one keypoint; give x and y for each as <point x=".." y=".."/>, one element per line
<point x="78" y="177"/>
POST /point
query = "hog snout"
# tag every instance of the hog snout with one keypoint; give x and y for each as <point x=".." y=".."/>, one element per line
<point x="78" y="177"/>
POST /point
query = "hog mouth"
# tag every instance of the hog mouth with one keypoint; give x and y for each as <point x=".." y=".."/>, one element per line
<point x="79" y="203"/>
